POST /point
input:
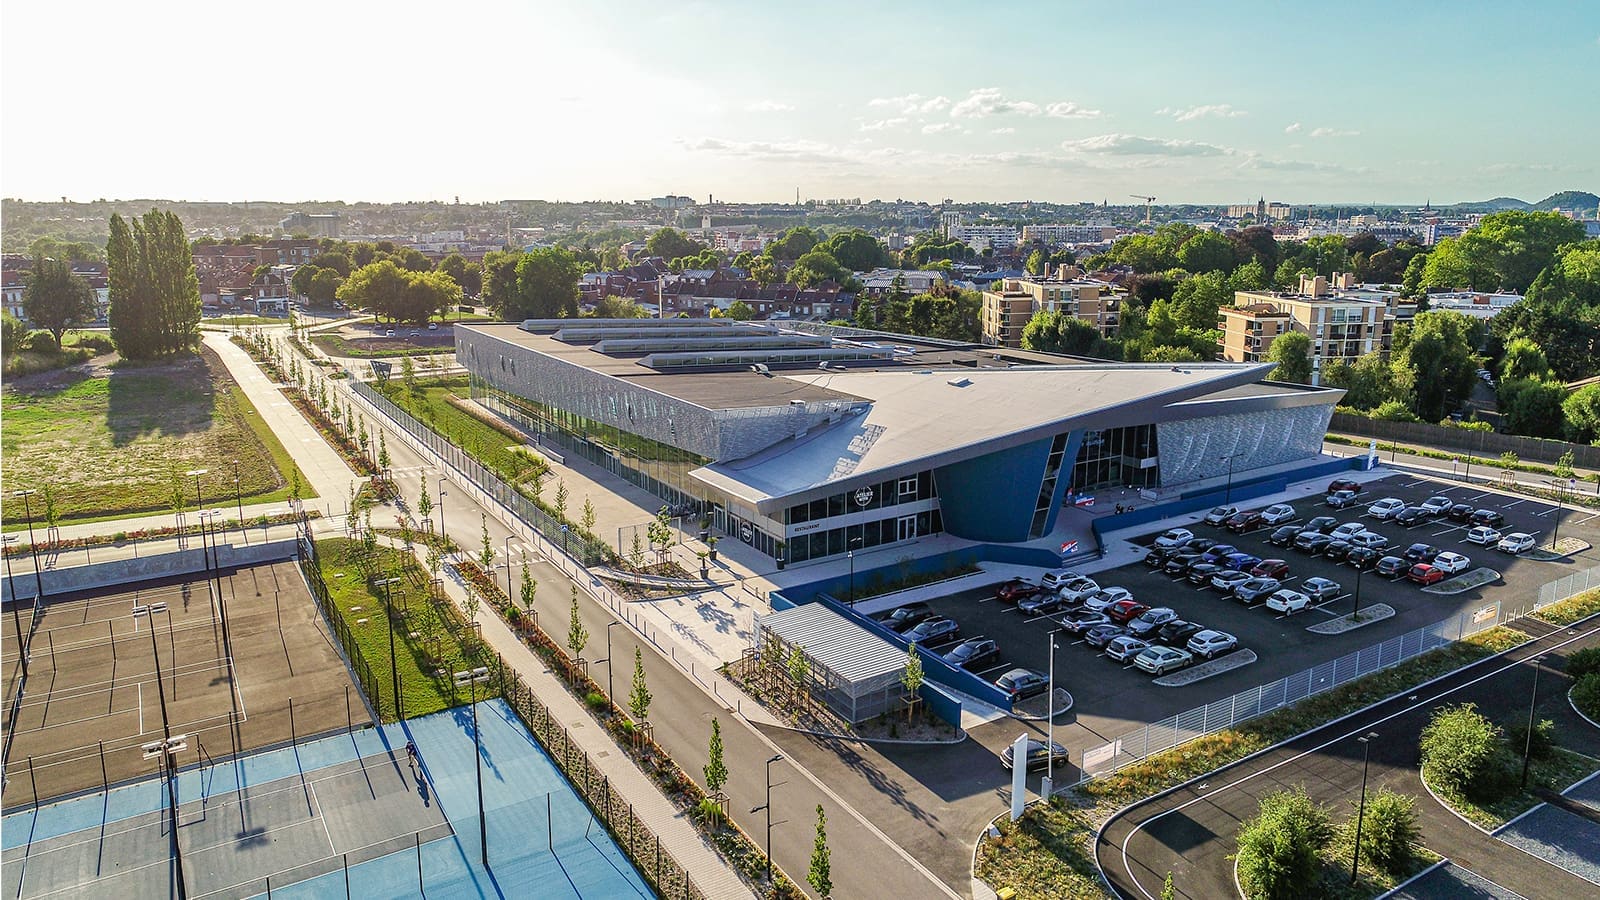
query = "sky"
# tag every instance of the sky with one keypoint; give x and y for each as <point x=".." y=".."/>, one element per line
<point x="1220" y="102"/>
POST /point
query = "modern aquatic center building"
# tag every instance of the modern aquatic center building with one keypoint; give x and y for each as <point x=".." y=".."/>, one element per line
<point x="806" y="441"/>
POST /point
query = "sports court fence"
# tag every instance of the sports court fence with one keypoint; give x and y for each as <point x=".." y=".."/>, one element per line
<point x="306" y="558"/>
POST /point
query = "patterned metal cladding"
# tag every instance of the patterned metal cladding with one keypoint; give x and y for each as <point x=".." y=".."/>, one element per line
<point x="1192" y="449"/>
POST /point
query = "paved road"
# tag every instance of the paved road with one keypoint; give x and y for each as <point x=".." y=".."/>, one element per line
<point x="1190" y="832"/>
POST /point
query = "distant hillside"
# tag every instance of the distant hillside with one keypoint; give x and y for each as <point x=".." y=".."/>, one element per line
<point x="1495" y="205"/>
<point x="1568" y="200"/>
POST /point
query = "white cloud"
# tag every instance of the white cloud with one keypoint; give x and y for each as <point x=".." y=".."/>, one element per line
<point x="940" y="127"/>
<point x="1211" y="111"/>
<point x="881" y="124"/>
<point x="984" y="102"/>
<point x="1291" y="128"/>
<point x="768" y="106"/>
<point x="1006" y="130"/>
<point x="1332" y="132"/>
<point x="1134" y="145"/>
<point x="1066" y="109"/>
<point x="912" y="104"/>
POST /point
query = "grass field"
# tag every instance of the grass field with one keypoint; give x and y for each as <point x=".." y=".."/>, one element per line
<point x="426" y="652"/>
<point x="384" y="348"/>
<point x="431" y="403"/>
<point x="109" y="445"/>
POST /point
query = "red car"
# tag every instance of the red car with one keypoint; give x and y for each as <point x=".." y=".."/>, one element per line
<point x="1124" y="611"/>
<point x="1424" y="574"/>
<point x="1343" y="484"/>
<point x="1016" y="590"/>
<point x="1248" y="520"/>
<point x="1270" y="568"/>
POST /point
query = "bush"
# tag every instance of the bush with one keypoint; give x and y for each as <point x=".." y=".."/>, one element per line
<point x="92" y="340"/>
<point x="1583" y="662"/>
<point x="1544" y="738"/>
<point x="1388" y="831"/>
<point x="1586" y="695"/>
<point x="1462" y="750"/>
<point x="1279" y="848"/>
<point x="41" y="341"/>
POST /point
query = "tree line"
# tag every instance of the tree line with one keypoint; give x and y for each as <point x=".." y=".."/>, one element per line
<point x="154" y="293"/>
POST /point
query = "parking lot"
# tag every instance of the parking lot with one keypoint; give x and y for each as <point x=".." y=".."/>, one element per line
<point x="1112" y="697"/>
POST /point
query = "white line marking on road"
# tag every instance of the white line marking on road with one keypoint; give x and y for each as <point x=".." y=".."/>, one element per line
<point x="140" y="686"/>
<point x="1515" y="502"/>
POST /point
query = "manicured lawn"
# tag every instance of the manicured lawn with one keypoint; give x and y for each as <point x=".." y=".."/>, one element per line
<point x="431" y="403"/>
<point x="426" y="650"/>
<point x="110" y="445"/>
<point x="1045" y="854"/>
<point x="246" y="320"/>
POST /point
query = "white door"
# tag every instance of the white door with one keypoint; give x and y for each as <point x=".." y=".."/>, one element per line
<point x="908" y="528"/>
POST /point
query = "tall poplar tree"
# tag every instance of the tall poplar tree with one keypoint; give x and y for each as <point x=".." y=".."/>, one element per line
<point x="155" y="295"/>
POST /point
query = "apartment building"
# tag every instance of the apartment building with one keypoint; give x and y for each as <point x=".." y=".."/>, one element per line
<point x="1012" y="302"/>
<point x="984" y="237"/>
<point x="1341" y="323"/>
<point x="1067" y="234"/>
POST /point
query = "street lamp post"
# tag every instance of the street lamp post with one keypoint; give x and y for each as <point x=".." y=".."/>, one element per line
<point x="850" y="554"/>
<point x="198" y="504"/>
<point x="1361" y="811"/>
<point x="238" y="494"/>
<point x="442" y="483"/>
<point x="1227" y="496"/>
<point x="1533" y="701"/>
<point x="394" y="671"/>
<point x="1359" y="573"/>
<point x="1050" y="723"/>
<point x="475" y="677"/>
<point x="1561" y="496"/>
<point x="609" y="692"/>
<point x="767" y="806"/>
<point x="509" y="593"/>
<point x="16" y="617"/>
<point x="33" y="545"/>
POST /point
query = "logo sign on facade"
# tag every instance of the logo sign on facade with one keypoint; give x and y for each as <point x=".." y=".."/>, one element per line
<point x="863" y="496"/>
<point x="745" y="534"/>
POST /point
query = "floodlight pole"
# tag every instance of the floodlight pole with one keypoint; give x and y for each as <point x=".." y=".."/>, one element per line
<point x="394" y="671"/>
<point x="768" y="808"/>
<point x="16" y="617"/>
<point x="1533" y="701"/>
<point x="33" y="545"/>
<point x="1050" y="722"/>
<point x="1361" y="811"/>
<point x="472" y="677"/>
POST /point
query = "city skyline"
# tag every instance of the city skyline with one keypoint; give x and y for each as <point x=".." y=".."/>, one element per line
<point x="1364" y="104"/>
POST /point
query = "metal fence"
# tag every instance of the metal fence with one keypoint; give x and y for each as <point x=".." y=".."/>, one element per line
<point x="1482" y="444"/>
<point x="1256" y="701"/>
<point x="590" y="552"/>
<point x="306" y="558"/>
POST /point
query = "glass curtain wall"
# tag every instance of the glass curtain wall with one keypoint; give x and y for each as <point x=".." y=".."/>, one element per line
<point x="1110" y="458"/>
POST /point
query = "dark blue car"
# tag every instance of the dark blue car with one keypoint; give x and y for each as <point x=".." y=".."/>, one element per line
<point x="1239" y="562"/>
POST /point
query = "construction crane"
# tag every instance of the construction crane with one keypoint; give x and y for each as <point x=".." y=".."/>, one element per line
<point x="1147" y="202"/>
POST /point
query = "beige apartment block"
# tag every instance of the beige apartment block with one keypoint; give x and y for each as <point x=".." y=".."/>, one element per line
<point x="1012" y="302"/>
<point x="1339" y="326"/>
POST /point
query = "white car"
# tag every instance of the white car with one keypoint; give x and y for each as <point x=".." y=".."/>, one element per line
<point x="1161" y="660"/>
<point x="1099" y="600"/>
<point x="1483" y="535"/>
<point x="1515" y="542"/>
<point x="1288" y="602"/>
<point x="1386" y="508"/>
<point x="1451" y="563"/>
<point x="1055" y="578"/>
<point x="1278" y="513"/>
<point x="1176" y="537"/>
<point x="1347" y="531"/>
<point x="1209" y="643"/>
<point x="1078" y="589"/>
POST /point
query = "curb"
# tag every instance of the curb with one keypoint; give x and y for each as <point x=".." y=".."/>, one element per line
<point x="1443" y="861"/>
<point x="1572" y="703"/>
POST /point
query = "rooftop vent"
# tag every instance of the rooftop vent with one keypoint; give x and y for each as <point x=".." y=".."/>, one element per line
<point x="959" y="381"/>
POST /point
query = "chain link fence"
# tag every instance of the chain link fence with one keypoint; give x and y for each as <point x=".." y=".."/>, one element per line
<point x="1562" y="588"/>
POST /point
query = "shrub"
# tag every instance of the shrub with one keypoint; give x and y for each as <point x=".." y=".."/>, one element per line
<point x="1278" y="849"/>
<point x="596" y="699"/>
<point x="1388" y="831"/>
<point x="42" y="341"/>
<point x="1544" y="738"/>
<point x="93" y="340"/>
<point x="1583" y="662"/>
<point x="1586" y="695"/>
<point x="1461" y="751"/>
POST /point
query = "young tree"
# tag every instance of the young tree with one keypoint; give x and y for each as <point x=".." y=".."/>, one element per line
<point x="408" y="374"/>
<point x="383" y="453"/>
<point x="1278" y="849"/>
<point x="639" y="696"/>
<point x="52" y="512"/>
<point x="577" y="635"/>
<point x="529" y="587"/>
<point x="1461" y="751"/>
<point x="911" y="678"/>
<point x="588" y="515"/>
<point x="486" y="555"/>
<point x="425" y="499"/>
<point x="716" y="771"/>
<point x="821" y="875"/>
<point x="561" y="500"/>
<point x="295" y="486"/>
<point x="55" y="299"/>
<point x="659" y="533"/>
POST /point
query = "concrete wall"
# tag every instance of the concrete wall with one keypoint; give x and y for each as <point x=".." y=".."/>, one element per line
<point x="143" y="568"/>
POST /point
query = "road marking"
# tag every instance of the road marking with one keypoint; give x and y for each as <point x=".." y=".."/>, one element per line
<point x="1484" y="494"/>
<point x="1590" y="518"/>
<point x="1515" y="502"/>
<point x="987" y="672"/>
<point x="140" y="686"/>
<point x="1448" y="530"/>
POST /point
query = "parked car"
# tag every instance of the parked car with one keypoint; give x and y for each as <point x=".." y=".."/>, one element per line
<point x="1240" y="562"/>
<point x="1313" y="542"/>
<point x="1369" y="539"/>
<point x="1342" y="499"/>
<point x="1177" y="632"/>
<point x="1016" y="590"/>
<point x="1217" y="552"/>
<point x="1346" y="531"/>
<point x="1082" y="621"/>
<point x="1484" y="535"/>
<point x="1125" y="611"/>
<point x="1124" y="647"/>
<point x="1270" y="568"/>
<point x="1040" y="603"/>
<point x="1488" y="517"/>
<point x="1320" y="589"/>
<point x="1391" y="566"/>
<point x="1386" y="508"/>
<point x="1515" y="542"/>
<point x="1343" y="484"/>
<point x="1436" y="506"/>
<point x="1039" y="755"/>
<point x="1227" y="579"/>
<point x="1161" y="660"/>
<point x="935" y="630"/>
<point x="1284" y="535"/>
<point x="1241" y="522"/>
<point x="414" y="334"/>
<point x="1200" y="544"/>
<point x="1322" y="524"/>
<point x="1412" y="516"/>
<point x="1219" y="514"/>
<point x="974" y="653"/>
<point x="1421" y="553"/>
<point x="1174" y="537"/>
<point x="1451" y="563"/>
<point x="1023" y="683"/>
<point x="1362" y="558"/>
<point x="1337" y="550"/>
<point x="1278" y="513"/>
<point x="1101" y="635"/>
<point x="1201" y="573"/>
<point x="1253" y="590"/>
<point x="1157" y="556"/>
<point x="433" y="326"/>
<point x="1460" y="512"/>
<point x="1104" y="597"/>
<point x="1208" y="643"/>
<point x="904" y="617"/>
<point x="1181" y="562"/>
<point x="389" y="333"/>
<point x="1055" y="578"/>
<point x="1151" y="619"/>
<point x="1077" y="589"/>
<point x="1424" y="574"/>
<point x="1288" y="602"/>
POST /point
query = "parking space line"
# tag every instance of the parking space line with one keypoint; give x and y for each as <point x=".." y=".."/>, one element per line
<point x="1514" y="503"/>
<point x="986" y="672"/>
<point x="1448" y="530"/>
<point x="1484" y="494"/>
<point x="1549" y="510"/>
<point x="1590" y="518"/>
